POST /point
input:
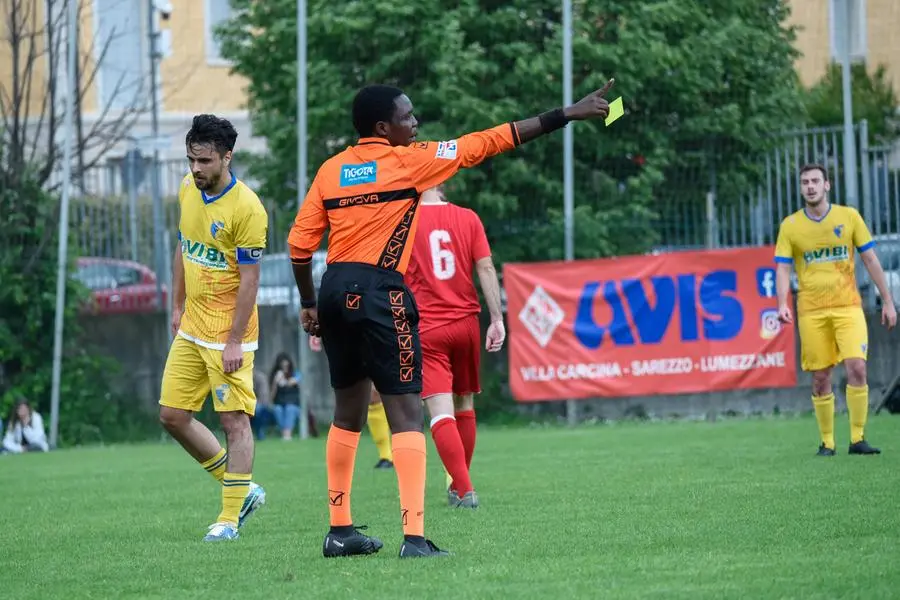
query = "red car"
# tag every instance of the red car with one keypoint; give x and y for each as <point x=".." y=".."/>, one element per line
<point x="119" y="286"/>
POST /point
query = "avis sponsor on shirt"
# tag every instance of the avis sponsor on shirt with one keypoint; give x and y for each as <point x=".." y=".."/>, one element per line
<point x="657" y="366"/>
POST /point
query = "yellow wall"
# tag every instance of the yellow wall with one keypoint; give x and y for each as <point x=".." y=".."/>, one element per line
<point x="814" y="37"/>
<point x="34" y="23"/>
<point x="189" y="83"/>
<point x="883" y="24"/>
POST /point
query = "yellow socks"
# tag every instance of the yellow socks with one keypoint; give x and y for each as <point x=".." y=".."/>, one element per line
<point x="235" y="487"/>
<point x="216" y="465"/>
<point x="858" y="407"/>
<point x="381" y="433"/>
<point x="824" y="406"/>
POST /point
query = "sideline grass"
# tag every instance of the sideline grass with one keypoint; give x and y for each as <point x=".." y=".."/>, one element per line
<point x="738" y="508"/>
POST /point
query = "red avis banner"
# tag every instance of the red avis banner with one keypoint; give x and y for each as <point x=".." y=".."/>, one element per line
<point x="644" y="325"/>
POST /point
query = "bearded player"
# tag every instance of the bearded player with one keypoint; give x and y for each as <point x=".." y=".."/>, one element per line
<point x="820" y="241"/>
<point x="450" y="242"/>
<point x="215" y="277"/>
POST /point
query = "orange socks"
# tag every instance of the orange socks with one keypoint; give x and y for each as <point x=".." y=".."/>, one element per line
<point x="340" y="457"/>
<point x="409" y="462"/>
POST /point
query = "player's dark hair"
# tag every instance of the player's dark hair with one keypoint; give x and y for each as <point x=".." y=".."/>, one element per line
<point x="814" y="167"/>
<point x="372" y="104"/>
<point x="214" y="131"/>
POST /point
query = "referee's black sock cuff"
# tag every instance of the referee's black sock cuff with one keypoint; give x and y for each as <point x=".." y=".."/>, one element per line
<point x="343" y="529"/>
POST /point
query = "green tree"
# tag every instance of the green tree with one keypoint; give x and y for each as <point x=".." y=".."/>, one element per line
<point x="873" y="97"/>
<point x="31" y="132"/>
<point x="702" y="81"/>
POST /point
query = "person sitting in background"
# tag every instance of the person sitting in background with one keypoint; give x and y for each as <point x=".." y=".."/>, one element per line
<point x="285" y="385"/>
<point x="25" y="432"/>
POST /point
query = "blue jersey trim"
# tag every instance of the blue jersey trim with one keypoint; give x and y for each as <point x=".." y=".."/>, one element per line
<point x="827" y="212"/>
<point x="783" y="260"/>
<point x="865" y="247"/>
<point x="249" y="256"/>
<point x="211" y="199"/>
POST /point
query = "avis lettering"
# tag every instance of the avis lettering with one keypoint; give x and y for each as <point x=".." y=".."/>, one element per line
<point x="713" y="294"/>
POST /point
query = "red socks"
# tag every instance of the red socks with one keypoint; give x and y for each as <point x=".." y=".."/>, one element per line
<point x="453" y="454"/>
<point x="465" y="423"/>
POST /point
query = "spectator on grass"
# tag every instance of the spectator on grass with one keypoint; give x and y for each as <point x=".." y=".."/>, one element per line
<point x="25" y="431"/>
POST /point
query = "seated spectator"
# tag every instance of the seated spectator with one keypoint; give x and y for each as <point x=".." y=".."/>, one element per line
<point x="25" y="431"/>
<point x="284" y="383"/>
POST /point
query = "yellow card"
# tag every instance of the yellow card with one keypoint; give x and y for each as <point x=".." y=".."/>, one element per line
<point x="616" y="110"/>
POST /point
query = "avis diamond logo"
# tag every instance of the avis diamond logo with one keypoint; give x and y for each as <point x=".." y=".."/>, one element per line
<point x="541" y="315"/>
<point x="770" y="324"/>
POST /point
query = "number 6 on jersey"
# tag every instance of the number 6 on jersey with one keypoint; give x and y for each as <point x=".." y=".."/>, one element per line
<point x="442" y="259"/>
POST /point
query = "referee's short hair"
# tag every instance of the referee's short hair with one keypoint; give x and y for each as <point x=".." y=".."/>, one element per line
<point x="372" y="104"/>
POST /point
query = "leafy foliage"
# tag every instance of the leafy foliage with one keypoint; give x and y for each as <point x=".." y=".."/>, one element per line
<point x="873" y="97"/>
<point x="28" y="270"/>
<point x="702" y="82"/>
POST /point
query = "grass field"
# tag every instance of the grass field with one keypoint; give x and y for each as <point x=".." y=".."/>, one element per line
<point x="734" y="509"/>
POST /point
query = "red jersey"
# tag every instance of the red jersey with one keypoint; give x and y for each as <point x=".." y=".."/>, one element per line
<point x="449" y="241"/>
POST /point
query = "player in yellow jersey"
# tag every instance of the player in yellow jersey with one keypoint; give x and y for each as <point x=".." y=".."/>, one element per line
<point x="215" y="277"/>
<point x="821" y="241"/>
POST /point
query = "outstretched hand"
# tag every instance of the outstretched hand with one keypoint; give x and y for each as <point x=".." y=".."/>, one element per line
<point x="592" y="106"/>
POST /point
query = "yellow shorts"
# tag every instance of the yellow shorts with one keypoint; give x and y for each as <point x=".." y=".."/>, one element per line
<point x="192" y="371"/>
<point x="831" y="336"/>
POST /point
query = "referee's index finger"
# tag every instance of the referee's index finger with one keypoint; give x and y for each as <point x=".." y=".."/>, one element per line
<point x="606" y="87"/>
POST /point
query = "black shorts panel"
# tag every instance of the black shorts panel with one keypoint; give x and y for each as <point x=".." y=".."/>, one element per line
<point x="370" y="328"/>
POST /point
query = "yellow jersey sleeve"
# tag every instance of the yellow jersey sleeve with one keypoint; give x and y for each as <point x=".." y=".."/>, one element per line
<point x="186" y="184"/>
<point x="862" y="238"/>
<point x="251" y="230"/>
<point x="784" y="249"/>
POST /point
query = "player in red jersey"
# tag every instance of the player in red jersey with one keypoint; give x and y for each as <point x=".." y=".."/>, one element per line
<point x="449" y="242"/>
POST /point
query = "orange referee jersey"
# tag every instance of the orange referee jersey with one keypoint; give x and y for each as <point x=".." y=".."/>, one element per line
<point x="368" y="195"/>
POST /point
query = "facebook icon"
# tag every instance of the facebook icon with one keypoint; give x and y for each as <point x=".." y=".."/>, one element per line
<point x="765" y="282"/>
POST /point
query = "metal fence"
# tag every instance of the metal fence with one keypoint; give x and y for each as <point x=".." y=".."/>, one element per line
<point x="112" y="223"/>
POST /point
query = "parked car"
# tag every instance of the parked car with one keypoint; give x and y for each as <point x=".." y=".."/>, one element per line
<point x="887" y="248"/>
<point x="276" y="279"/>
<point x="119" y="286"/>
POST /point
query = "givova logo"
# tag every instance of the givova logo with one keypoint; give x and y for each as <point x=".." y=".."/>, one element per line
<point x="201" y="254"/>
<point x="358" y="174"/>
<point x="823" y="255"/>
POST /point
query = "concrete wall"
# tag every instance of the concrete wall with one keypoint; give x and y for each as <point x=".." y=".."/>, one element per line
<point x="138" y="343"/>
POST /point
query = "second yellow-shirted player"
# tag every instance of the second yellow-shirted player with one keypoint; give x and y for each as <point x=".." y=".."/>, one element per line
<point x="222" y="235"/>
<point x="821" y="241"/>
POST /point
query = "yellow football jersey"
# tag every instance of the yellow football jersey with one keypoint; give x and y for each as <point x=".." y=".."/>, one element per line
<point x="823" y="253"/>
<point x="217" y="233"/>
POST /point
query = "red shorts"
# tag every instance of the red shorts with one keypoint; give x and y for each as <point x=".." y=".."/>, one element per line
<point x="451" y="358"/>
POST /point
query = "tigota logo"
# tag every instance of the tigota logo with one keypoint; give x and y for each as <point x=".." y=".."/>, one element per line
<point x="200" y="253"/>
<point x="358" y="174"/>
<point x="822" y="255"/>
<point x="723" y="314"/>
